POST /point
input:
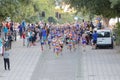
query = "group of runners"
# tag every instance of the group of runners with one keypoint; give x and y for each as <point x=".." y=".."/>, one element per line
<point x="59" y="36"/>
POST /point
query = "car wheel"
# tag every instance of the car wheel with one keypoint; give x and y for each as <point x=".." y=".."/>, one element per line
<point x="112" y="46"/>
<point x="96" y="47"/>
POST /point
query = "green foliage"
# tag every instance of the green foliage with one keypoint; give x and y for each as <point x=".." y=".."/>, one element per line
<point x="29" y="10"/>
<point x="114" y="2"/>
<point x="117" y="32"/>
<point x="96" y="7"/>
<point x="66" y="18"/>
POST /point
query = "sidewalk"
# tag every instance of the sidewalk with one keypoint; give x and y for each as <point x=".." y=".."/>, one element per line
<point x="23" y="61"/>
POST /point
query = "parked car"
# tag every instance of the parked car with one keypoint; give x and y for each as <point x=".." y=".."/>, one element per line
<point x="105" y="38"/>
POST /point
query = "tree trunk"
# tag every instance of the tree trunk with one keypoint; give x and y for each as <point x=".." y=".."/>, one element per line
<point x="106" y="22"/>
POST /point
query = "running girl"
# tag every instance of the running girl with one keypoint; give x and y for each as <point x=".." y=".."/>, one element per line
<point x="84" y="42"/>
<point x="49" y="41"/>
<point x="24" y="36"/>
<point x="54" y="43"/>
<point x="57" y="48"/>
<point x="70" y="44"/>
<point x="42" y="43"/>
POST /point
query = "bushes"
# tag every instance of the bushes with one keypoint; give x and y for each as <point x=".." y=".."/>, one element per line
<point x="117" y="33"/>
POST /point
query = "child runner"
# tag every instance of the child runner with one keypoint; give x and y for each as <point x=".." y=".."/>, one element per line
<point x="42" y="43"/>
<point x="54" y="43"/>
<point x="28" y="38"/>
<point x="24" y="36"/>
<point x="61" y="44"/>
<point x="49" y="41"/>
<point x="57" y="48"/>
<point x="74" y="41"/>
<point x="84" y="41"/>
<point x="70" y="43"/>
<point x="44" y="34"/>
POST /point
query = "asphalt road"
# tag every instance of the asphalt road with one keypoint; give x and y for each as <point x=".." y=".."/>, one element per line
<point x="33" y="64"/>
<point x="100" y="64"/>
<point x="50" y="67"/>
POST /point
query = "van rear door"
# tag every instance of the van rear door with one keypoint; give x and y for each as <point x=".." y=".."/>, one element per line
<point x="104" y="38"/>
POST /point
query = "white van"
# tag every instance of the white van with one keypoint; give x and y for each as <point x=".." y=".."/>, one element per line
<point x="104" y="38"/>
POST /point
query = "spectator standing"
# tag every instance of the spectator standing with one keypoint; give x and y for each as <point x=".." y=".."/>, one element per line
<point x="92" y="26"/>
<point x="5" y="30"/>
<point x="12" y="27"/>
<point x="8" y="25"/>
<point x="20" y="30"/>
<point x="1" y="45"/>
<point x="94" y="39"/>
<point x="23" y="25"/>
<point x="6" y="59"/>
<point x="99" y="25"/>
<point x="9" y="40"/>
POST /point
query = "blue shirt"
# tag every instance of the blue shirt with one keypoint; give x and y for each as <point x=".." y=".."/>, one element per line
<point x="44" y="32"/>
<point x="23" y="24"/>
<point x="1" y="42"/>
<point x="5" y="29"/>
<point x="99" y="25"/>
<point x="94" y="36"/>
<point x="20" y="28"/>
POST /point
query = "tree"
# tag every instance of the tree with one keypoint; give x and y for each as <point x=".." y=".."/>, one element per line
<point x="29" y="10"/>
<point x="25" y="9"/>
<point x="96" y="7"/>
<point x="115" y="4"/>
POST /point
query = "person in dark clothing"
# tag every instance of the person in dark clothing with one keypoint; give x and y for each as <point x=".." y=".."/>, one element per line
<point x="87" y="39"/>
<point x="15" y="34"/>
<point x="11" y="26"/>
<point x="40" y="35"/>
<point x="35" y="35"/>
<point x="91" y="24"/>
<point x="90" y="36"/>
<point x="99" y="25"/>
<point x="20" y="30"/>
<point x="94" y="35"/>
<point x="48" y="31"/>
<point x="9" y="40"/>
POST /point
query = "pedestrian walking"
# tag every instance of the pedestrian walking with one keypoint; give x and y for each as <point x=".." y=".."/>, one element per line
<point x="6" y="59"/>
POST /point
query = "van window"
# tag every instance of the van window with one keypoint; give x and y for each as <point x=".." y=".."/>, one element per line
<point x="103" y="34"/>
